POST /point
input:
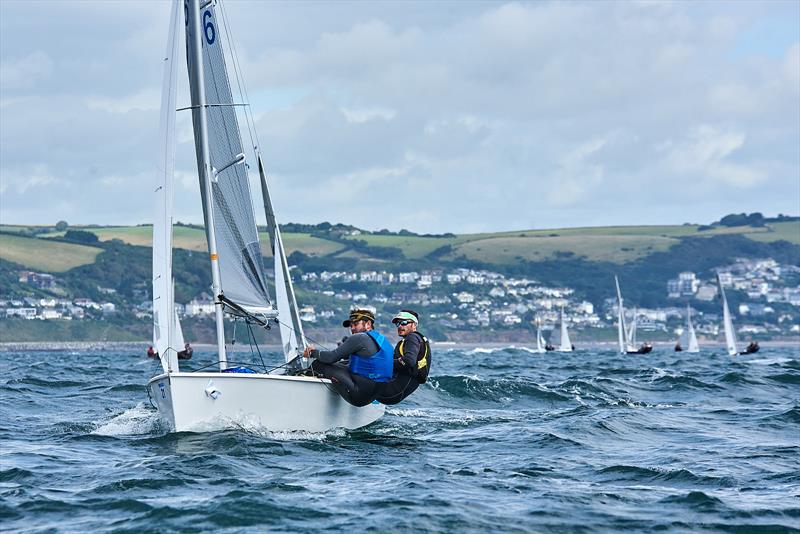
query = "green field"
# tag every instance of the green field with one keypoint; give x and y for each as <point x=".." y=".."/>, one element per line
<point x="787" y="231"/>
<point x="618" y="244"/>
<point x="613" y="248"/>
<point x="195" y="239"/>
<point x="43" y="255"/>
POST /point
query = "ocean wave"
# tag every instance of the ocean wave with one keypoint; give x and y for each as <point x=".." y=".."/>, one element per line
<point x="790" y="416"/>
<point x="697" y="500"/>
<point x="136" y="421"/>
<point x="15" y="474"/>
<point x="785" y="378"/>
<point x="683" y="381"/>
<point x="635" y="474"/>
<point x="734" y="377"/>
<point x="472" y="387"/>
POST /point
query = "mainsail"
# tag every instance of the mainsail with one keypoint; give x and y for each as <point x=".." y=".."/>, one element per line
<point x="566" y="344"/>
<point x="165" y="321"/>
<point x="625" y="336"/>
<point x="692" y="345"/>
<point x="727" y="322"/>
<point x="241" y="271"/>
<point x="632" y="331"/>
<point x="540" y="344"/>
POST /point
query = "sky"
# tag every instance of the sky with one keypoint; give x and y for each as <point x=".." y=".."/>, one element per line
<point x="427" y="116"/>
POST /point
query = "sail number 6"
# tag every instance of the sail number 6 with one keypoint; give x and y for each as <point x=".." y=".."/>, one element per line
<point x="208" y="28"/>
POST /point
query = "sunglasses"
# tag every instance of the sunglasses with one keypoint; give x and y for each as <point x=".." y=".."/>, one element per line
<point x="403" y="323"/>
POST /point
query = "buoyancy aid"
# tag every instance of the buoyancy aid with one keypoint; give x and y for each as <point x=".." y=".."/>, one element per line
<point x="420" y="372"/>
<point x="377" y="367"/>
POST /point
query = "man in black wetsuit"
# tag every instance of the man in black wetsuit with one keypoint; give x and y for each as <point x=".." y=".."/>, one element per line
<point x="412" y="356"/>
<point x="369" y="364"/>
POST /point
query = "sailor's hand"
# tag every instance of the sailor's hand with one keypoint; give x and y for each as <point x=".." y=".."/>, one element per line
<point x="307" y="351"/>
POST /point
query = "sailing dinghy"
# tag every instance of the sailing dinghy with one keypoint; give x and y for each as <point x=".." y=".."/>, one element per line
<point x="627" y="336"/>
<point x="540" y="344"/>
<point x="565" y="344"/>
<point x="209" y="400"/>
<point x="688" y="338"/>
<point x="727" y="325"/>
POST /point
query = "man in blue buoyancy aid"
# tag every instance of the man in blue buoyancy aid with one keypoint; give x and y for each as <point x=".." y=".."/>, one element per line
<point x="370" y="360"/>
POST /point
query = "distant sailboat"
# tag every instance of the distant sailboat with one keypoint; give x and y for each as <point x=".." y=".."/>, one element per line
<point x="727" y="324"/>
<point x="688" y="338"/>
<point x="627" y="336"/>
<point x="566" y="344"/>
<point x="540" y="344"/>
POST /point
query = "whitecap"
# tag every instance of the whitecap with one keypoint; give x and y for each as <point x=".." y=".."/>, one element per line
<point x="139" y="420"/>
<point x="769" y="361"/>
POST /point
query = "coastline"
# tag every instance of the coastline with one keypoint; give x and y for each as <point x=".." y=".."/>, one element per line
<point x="141" y="346"/>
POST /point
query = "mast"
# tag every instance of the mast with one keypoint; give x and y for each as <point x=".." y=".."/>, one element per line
<point x="196" y="80"/>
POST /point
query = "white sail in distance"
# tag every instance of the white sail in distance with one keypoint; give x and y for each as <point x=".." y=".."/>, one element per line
<point x="727" y="322"/>
<point x="692" y="345"/>
<point x="566" y="344"/>
<point x="165" y="319"/>
<point x="621" y="332"/>
<point x="632" y="332"/>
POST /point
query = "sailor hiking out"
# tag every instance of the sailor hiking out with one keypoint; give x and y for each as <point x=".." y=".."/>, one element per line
<point x="369" y="360"/>
<point x="412" y="360"/>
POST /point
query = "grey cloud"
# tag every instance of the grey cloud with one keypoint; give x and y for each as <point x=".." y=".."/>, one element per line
<point x="501" y="115"/>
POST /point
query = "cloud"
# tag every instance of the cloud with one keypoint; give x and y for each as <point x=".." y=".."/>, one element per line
<point x="707" y="151"/>
<point x="147" y="99"/>
<point x="25" y="72"/>
<point x="489" y="115"/>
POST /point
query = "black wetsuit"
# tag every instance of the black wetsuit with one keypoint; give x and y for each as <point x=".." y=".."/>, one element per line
<point x="356" y="389"/>
<point x="404" y="382"/>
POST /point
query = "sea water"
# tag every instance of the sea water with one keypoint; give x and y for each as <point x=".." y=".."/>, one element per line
<point x="501" y="440"/>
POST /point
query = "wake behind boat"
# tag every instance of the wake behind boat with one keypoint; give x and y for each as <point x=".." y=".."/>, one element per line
<point x="208" y="400"/>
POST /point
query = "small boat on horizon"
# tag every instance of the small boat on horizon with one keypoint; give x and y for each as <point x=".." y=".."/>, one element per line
<point x="627" y="336"/>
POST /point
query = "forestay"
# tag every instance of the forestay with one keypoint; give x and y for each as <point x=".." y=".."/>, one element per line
<point x="242" y="278"/>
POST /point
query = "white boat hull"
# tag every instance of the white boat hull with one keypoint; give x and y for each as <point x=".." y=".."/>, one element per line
<point x="186" y="402"/>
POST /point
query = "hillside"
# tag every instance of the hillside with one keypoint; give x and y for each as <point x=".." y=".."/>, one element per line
<point x="113" y="264"/>
<point x="615" y="244"/>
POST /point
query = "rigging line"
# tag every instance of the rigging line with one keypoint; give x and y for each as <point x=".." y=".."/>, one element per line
<point x="239" y="76"/>
<point x="291" y="327"/>
<point x="253" y="337"/>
